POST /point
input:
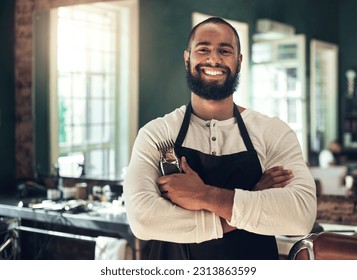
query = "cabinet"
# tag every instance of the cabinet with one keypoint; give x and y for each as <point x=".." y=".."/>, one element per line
<point x="350" y="112"/>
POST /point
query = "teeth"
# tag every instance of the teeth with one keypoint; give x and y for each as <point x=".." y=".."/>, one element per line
<point x="213" y="72"/>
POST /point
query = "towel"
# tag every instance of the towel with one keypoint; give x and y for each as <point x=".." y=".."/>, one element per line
<point x="111" y="248"/>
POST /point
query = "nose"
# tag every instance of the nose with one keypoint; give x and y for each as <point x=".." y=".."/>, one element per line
<point x="214" y="58"/>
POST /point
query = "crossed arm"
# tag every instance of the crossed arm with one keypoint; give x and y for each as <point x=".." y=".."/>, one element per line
<point x="188" y="191"/>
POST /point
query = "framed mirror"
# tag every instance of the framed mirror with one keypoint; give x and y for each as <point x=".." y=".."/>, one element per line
<point x="323" y="94"/>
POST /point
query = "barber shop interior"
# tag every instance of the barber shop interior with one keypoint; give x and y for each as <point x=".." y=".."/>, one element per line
<point x="82" y="80"/>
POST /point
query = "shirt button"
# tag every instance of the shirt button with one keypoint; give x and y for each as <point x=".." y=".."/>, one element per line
<point x="213" y="138"/>
<point x="214" y="153"/>
<point x="207" y="124"/>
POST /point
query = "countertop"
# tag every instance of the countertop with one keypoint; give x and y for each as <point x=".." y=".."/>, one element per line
<point x="111" y="219"/>
<point x="100" y="216"/>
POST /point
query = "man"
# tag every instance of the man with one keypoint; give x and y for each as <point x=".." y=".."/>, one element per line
<point x="221" y="206"/>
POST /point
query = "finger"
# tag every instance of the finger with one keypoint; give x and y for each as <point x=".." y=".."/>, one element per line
<point x="258" y="187"/>
<point x="275" y="178"/>
<point x="284" y="179"/>
<point x="185" y="167"/>
<point x="163" y="180"/>
<point x="269" y="173"/>
<point x="166" y="178"/>
<point x="284" y="175"/>
<point x="266" y="177"/>
<point x="164" y="191"/>
<point x="264" y="180"/>
<point x="271" y="184"/>
<point x="281" y="185"/>
<point x="279" y="173"/>
<point x="165" y="195"/>
<point x="163" y="188"/>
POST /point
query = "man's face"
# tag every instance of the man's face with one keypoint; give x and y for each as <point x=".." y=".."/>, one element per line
<point x="213" y="62"/>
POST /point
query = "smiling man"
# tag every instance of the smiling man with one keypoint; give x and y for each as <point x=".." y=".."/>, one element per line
<point x="212" y="63"/>
<point x="242" y="176"/>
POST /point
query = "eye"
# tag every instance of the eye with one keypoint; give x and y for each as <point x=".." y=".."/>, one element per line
<point x="225" y="51"/>
<point x="203" y="50"/>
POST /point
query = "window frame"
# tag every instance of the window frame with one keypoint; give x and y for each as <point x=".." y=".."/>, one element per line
<point x="44" y="148"/>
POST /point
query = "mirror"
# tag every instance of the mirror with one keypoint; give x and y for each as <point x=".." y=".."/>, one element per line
<point x="323" y="94"/>
<point x="280" y="88"/>
<point x="85" y="88"/>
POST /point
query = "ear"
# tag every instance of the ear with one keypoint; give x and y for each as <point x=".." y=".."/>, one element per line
<point x="186" y="57"/>
<point x="240" y="59"/>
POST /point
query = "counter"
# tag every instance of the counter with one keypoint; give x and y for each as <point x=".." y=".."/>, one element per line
<point x="113" y="222"/>
<point x="102" y="219"/>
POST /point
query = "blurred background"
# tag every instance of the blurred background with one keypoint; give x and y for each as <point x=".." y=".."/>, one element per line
<point x="78" y="78"/>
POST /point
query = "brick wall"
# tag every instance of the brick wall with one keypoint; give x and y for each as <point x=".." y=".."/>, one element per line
<point x="338" y="209"/>
<point x="23" y="82"/>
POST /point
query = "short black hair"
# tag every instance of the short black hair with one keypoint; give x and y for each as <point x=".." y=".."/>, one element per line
<point x="211" y="20"/>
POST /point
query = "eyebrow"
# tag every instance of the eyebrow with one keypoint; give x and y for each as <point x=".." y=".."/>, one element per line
<point x="206" y="43"/>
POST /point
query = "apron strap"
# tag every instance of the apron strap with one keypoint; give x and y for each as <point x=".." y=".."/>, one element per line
<point x="184" y="126"/>
<point x="241" y="126"/>
<point x="243" y="130"/>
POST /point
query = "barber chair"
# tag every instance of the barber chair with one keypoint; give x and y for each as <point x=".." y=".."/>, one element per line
<point x="325" y="246"/>
<point x="9" y="238"/>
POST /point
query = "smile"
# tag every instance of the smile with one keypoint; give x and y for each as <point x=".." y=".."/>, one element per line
<point x="212" y="72"/>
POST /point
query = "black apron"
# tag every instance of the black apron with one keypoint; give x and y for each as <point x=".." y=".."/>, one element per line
<point x="241" y="170"/>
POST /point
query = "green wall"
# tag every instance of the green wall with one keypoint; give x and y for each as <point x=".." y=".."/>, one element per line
<point x="7" y="96"/>
<point x="347" y="49"/>
<point x="165" y="24"/>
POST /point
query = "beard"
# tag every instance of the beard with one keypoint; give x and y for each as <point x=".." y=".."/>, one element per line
<point x="212" y="90"/>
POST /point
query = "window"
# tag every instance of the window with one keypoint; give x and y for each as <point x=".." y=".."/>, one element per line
<point x="93" y="89"/>
<point x="279" y="86"/>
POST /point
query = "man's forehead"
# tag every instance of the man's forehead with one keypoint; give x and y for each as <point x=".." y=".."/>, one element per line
<point x="217" y="32"/>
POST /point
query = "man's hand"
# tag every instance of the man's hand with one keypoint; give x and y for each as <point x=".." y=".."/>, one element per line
<point x="188" y="191"/>
<point x="184" y="189"/>
<point x="275" y="177"/>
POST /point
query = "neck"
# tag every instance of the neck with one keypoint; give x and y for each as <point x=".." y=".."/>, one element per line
<point x="212" y="109"/>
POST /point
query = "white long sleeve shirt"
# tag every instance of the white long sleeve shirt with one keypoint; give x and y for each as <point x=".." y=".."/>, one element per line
<point x="280" y="211"/>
